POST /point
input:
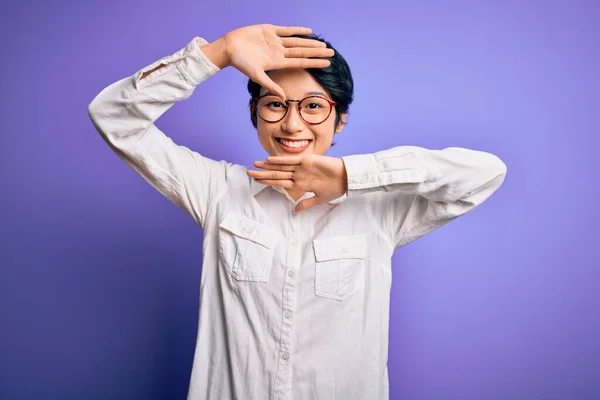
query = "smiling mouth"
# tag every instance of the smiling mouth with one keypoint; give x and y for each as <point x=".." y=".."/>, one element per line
<point x="294" y="144"/>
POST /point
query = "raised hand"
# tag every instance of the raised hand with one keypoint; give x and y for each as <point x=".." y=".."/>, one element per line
<point x="325" y="176"/>
<point x="255" y="49"/>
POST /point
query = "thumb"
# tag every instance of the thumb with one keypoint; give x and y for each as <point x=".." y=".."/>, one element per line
<point x="308" y="203"/>
<point x="263" y="79"/>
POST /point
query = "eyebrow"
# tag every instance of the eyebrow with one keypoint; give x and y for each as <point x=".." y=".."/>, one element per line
<point x="305" y="94"/>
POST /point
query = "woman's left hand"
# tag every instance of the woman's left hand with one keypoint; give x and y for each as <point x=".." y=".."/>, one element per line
<point x="324" y="176"/>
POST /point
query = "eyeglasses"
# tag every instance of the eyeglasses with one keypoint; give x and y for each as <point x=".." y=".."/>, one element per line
<point x="313" y="110"/>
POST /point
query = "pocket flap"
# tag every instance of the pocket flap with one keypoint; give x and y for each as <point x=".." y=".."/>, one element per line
<point x="249" y="229"/>
<point x="334" y="248"/>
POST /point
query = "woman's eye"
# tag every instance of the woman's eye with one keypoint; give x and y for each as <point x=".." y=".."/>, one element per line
<point x="274" y="104"/>
<point x="314" y="105"/>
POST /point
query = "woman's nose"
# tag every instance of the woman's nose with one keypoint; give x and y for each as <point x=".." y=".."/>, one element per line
<point x="292" y="121"/>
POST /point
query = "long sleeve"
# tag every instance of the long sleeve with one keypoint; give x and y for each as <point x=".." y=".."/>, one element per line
<point x="422" y="189"/>
<point x="124" y="114"/>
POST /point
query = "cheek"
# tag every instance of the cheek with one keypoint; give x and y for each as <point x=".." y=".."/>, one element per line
<point x="261" y="130"/>
<point x="265" y="133"/>
<point x="325" y="132"/>
<point x="324" y="137"/>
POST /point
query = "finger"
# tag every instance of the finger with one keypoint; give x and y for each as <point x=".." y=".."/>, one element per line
<point x="271" y="174"/>
<point x="263" y="79"/>
<point x="292" y="30"/>
<point x="279" y="167"/>
<point x="300" y="42"/>
<point x="287" y="160"/>
<point x="286" y="184"/>
<point x="302" y="63"/>
<point x="308" y="203"/>
<point x="306" y="52"/>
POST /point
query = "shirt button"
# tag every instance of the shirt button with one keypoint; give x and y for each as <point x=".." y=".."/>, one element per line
<point x="288" y="315"/>
<point x="294" y="243"/>
<point x="291" y="273"/>
<point x="285" y="356"/>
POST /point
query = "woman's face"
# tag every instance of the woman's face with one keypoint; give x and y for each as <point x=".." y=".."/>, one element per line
<point x="292" y="130"/>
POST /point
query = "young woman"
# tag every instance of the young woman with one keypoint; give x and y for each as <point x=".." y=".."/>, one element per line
<point x="296" y="275"/>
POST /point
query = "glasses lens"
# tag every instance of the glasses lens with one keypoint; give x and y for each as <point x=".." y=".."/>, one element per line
<point x="315" y="109"/>
<point x="271" y="108"/>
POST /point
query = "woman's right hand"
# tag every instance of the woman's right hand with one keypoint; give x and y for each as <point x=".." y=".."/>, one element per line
<point x="256" y="49"/>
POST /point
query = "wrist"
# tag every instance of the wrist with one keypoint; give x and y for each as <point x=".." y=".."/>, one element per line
<point x="216" y="52"/>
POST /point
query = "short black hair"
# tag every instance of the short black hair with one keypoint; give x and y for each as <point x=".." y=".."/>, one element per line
<point x="336" y="79"/>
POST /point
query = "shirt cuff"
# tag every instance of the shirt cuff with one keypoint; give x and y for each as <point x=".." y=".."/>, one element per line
<point x="191" y="62"/>
<point x="379" y="171"/>
<point x="196" y="66"/>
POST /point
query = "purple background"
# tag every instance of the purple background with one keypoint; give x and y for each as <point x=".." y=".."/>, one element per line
<point x="99" y="274"/>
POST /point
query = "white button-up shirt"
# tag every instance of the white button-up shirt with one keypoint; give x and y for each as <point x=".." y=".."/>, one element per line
<point x="292" y="305"/>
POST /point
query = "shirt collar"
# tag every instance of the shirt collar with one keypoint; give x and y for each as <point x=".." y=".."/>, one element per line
<point x="257" y="187"/>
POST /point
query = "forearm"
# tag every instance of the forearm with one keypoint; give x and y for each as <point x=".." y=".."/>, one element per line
<point x="446" y="175"/>
<point x="127" y="107"/>
<point x="215" y="51"/>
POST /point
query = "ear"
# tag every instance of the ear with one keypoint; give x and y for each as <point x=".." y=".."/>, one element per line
<point x="342" y="123"/>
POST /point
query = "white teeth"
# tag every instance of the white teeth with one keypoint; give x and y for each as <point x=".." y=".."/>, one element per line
<point x="295" y="144"/>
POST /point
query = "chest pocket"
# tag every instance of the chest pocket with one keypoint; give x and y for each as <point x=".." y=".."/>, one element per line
<point x="246" y="247"/>
<point x="339" y="265"/>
